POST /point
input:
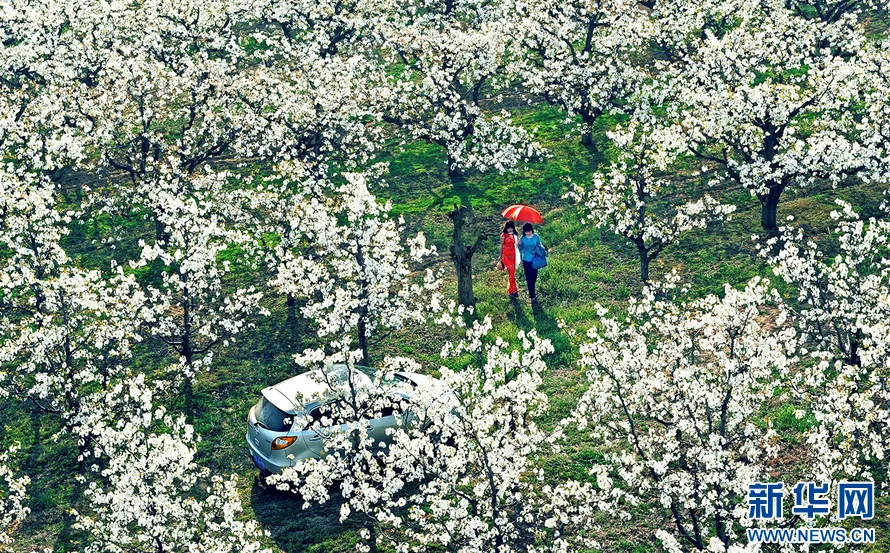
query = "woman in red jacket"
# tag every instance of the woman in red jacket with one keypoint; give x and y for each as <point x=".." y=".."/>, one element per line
<point x="509" y="256"/>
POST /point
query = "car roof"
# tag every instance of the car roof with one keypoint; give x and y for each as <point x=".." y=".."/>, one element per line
<point x="298" y="392"/>
<point x="305" y="391"/>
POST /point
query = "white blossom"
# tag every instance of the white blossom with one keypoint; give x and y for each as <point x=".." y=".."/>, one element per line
<point x="580" y="54"/>
<point x="453" y="53"/>
<point x="625" y="197"/>
<point x="348" y="260"/>
<point x="844" y="308"/>
<point x="764" y="95"/>
<point x="146" y="492"/>
<point x="13" y="493"/>
<point x="459" y="472"/>
<point x="676" y="391"/>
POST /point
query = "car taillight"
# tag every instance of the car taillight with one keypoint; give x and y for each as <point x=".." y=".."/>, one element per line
<point x="282" y="442"/>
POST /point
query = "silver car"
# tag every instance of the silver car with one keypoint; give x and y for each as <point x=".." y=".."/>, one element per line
<point x="283" y="428"/>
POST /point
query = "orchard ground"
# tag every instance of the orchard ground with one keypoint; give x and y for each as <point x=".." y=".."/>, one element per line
<point x="587" y="266"/>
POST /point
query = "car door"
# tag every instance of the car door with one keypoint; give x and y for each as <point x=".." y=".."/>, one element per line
<point x="331" y="413"/>
<point x="390" y="418"/>
<point x="316" y="436"/>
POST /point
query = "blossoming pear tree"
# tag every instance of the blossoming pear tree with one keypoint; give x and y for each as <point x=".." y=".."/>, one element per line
<point x="626" y="197"/>
<point x="579" y="55"/>
<point x="761" y="94"/>
<point x="199" y="310"/>
<point x="314" y="93"/>
<point x="677" y="390"/>
<point x="319" y="119"/>
<point x="317" y="87"/>
<point x="460" y="471"/>
<point x="145" y="491"/>
<point x="67" y="331"/>
<point x="874" y="124"/>
<point x="166" y="90"/>
<point x="831" y="11"/>
<point x="39" y="62"/>
<point x="160" y="111"/>
<point x="355" y="273"/>
<point x="160" y="103"/>
<point x="844" y="303"/>
<point x="453" y="57"/>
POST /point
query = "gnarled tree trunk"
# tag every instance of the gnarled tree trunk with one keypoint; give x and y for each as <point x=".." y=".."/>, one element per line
<point x="455" y="173"/>
<point x="363" y="307"/>
<point x="769" y="209"/>
<point x="644" y="265"/>
<point x="462" y="255"/>
<point x="588" y="119"/>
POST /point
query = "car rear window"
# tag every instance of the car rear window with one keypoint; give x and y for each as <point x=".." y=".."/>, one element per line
<point x="271" y="417"/>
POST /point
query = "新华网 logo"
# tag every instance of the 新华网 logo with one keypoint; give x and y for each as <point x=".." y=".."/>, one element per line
<point x="811" y="499"/>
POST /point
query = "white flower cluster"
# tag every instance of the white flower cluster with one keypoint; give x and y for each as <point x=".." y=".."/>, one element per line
<point x="766" y="95"/>
<point x="677" y="390"/>
<point x="625" y="197"/>
<point x="454" y="53"/>
<point x="844" y="311"/>
<point x="66" y="329"/>
<point x="145" y="491"/>
<point x="580" y="54"/>
<point x="355" y="277"/>
<point x="13" y="492"/>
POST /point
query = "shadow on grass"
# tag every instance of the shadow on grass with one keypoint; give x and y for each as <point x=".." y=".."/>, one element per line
<point x="518" y="314"/>
<point x="297" y="530"/>
<point x="548" y="327"/>
<point x="540" y="318"/>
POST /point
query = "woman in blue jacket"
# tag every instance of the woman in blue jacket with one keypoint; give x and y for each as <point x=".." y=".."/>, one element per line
<point x="529" y="242"/>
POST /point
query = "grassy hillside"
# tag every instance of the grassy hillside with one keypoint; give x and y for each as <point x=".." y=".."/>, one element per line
<point x="587" y="266"/>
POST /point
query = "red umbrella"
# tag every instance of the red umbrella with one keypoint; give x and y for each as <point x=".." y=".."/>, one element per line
<point x="523" y="213"/>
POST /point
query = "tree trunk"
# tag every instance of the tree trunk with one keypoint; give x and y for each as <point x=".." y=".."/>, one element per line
<point x="291" y="308"/>
<point x="34" y="449"/>
<point x="188" y="393"/>
<point x="188" y="390"/>
<point x="587" y="133"/>
<point x="186" y="337"/>
<point x="291" y="301"/>
<point x="462" y="255"/>
<point x="455" y="173"/>
<point x="769" y="208"/>
<point x="363" y="305"/>
<point x="464" y="270"/>
<point x="159" y="229"/>
<point x="853" y="353"/>
<point x="587" y="138"/>
<point x="588" y="119"/>
<point x="363" y="343"/>
<point x="289" y="333"/>
<point x="644" y="265"/>
<point x="372" y="537"/>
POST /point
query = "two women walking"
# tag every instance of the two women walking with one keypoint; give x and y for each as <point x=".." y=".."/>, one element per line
<point x="529" y="250"/>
